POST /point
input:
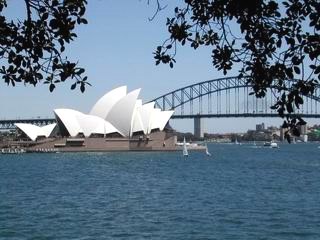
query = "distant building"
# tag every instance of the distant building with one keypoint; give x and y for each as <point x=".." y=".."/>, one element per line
<point x="303" y="132"/>
<point x="302" y="129"/>
<point x="260" y="127"/>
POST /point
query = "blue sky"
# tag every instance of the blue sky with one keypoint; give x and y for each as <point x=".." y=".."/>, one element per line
<point x="116" y="49"/>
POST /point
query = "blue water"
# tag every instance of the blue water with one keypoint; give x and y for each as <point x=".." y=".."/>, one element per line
<point x="240" y="192"/>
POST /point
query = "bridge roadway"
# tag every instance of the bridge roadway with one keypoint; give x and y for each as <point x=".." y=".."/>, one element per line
<point x="9" y="124"/>
<point x="240" y="115"/>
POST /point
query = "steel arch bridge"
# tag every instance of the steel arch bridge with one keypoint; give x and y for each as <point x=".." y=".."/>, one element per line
<point x="224" y="97"/>
<point x="229" y="97"/>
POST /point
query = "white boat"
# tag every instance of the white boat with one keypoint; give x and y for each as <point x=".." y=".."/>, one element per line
<point x="12" y="150"/>
<point x="184" y="148"/>
<point x="271" y="144"/>
<point x="274" y="145"/>
<point x="207" y="151"/>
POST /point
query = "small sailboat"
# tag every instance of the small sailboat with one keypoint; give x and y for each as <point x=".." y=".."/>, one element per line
<point x="294" y="140"/>
<point x="184" y="148"/>
<point x="236" y="142"/>
<point x="207" y="151"/>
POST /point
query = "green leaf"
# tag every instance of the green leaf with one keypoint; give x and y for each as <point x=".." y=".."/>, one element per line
<point x="73" y="86"/>
<point x="84" y="21"/>
<point x="53" y="23"/>
<point x="296" y="69"/>
<point x="80" y="71"/>
<point x="82" y="87"/>
<point x="51" y="87"/>
<point x="45" y="16"/>
<point x="289" y="108"/>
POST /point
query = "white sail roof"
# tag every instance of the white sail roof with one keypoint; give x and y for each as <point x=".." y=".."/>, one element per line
<point x="70" y="120"/>
<point x="121" y="113"/>
<point x="103" y="106"/>
<point x="153" y="122"/>
<point x="47" y="130"/>
<point x="137" y="124"/>
<point x="159" y="119"/>
<point x="145" y="113"/>
<point x="94" y="125"/>
<point x="116" y="111"/>
<point x="78" y="122"/>
<point x="163" y="118"/>
<point x="34" y="131"/>
<point x="105" y="128"/>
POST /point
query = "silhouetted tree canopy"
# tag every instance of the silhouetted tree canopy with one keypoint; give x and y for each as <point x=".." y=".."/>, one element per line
<point x="31" y="47"/>
<point x="269" y="41"/>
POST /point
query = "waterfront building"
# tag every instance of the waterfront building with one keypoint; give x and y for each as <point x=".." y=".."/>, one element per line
<point x="118" y="118"/>
<point x="260" y="127"/>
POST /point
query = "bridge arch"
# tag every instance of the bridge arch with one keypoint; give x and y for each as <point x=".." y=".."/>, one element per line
<point x="187" y="94"/>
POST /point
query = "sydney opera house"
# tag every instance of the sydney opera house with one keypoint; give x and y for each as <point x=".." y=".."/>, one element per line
<point x="118" y="121"/>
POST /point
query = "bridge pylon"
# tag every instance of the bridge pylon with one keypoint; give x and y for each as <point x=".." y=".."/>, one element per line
<point x="198" y="128"/>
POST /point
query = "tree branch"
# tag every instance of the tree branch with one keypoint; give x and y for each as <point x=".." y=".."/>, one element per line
<point x="159" y="8"/>
<point x="28" y="30"/>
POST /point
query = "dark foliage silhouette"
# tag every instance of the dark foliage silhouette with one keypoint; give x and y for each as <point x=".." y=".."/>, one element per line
<point x="269" y="41"/>
<point x="31" y="48"/>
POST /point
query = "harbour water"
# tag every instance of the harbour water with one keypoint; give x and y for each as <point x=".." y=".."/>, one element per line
<point x="240" y="192"/>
